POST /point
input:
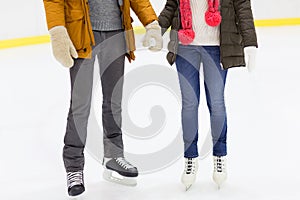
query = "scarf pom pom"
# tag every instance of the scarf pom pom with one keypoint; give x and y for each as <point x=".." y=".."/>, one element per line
<point x="186" y="36"/>
<point x="213" y="18"/>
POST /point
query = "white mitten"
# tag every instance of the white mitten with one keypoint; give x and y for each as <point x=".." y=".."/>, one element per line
<point x="153" y="32"/>
<point x="62" y="46"/>
<point x="250" y="57"/>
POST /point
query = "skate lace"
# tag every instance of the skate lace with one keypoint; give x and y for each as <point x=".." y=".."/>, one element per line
<point x="75" y="178"/>
<point x="219" y="164"/>
<point x="190" y="166"/>
<point x="124" y="163"/>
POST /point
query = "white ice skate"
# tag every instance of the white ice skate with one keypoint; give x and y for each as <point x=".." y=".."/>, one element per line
<point x="188" y="177"/>
<point x="220" y="173"/>
<point x="119" y="170"/>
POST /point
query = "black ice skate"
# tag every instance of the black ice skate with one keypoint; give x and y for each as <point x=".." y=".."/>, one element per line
<point x="126" y="171"/>
<point x="75" y="184"/>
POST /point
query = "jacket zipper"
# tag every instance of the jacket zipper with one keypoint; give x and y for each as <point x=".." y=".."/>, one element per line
<point x="86" y="20"/>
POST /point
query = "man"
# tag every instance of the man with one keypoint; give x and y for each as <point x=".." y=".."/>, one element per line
<point x="80" y="30"/>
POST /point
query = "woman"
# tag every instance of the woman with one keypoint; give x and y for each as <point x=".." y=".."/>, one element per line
<point x="217" y="35"/>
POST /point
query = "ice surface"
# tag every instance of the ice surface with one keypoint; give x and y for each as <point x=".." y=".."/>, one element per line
<point x="263" y="136"/>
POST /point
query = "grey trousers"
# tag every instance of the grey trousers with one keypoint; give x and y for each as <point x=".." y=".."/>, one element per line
<point x="110" y="51"/>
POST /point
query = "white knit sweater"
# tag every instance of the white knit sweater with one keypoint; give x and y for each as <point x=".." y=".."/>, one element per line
<point x="205" y="35"/>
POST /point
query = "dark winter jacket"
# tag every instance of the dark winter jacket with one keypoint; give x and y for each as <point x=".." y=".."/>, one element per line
<point x="236" y="30"/>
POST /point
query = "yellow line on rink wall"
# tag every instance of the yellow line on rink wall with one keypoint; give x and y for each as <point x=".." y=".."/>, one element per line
<point x="4" y="44"/>
<point x="277" y="22"/>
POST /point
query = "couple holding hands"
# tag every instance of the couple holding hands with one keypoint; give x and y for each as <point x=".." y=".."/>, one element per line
<point x="220" y="34"/>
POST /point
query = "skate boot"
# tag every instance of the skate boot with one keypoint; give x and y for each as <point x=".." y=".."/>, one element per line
<point x="119" y="170"/>
<point x="188" y="177"/>
<point x="220" y="173"/>
<point x="75" y="184"/>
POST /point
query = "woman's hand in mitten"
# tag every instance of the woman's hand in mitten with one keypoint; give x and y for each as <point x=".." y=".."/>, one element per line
<point x="250" y="57"/>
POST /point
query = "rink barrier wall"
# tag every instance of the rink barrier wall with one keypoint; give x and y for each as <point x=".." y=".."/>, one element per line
<point x="18" y="42"/>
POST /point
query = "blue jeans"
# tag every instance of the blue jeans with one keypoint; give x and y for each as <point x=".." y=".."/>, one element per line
<point x="188" y="64"/>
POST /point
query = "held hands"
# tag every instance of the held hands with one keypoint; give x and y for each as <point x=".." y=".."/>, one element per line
<point x="250" y="57"/>
<point x="153" y="32"/>
<point x="62" y="46"/>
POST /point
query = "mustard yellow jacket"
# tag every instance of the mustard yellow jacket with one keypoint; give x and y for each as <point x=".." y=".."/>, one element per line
<point x="74" y="15"/>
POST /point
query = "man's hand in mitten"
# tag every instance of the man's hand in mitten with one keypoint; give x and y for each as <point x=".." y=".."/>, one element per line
<point x="153" y="32"/>
<point x="62" y="46"/>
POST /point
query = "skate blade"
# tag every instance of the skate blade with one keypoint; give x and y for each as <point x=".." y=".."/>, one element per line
<point x="187" y="187"/>
<point x="113" y="177"/>
<point x="78" y="197"/>
<point x="219" y="184"/>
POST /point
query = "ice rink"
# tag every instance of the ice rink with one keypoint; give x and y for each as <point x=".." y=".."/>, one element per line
<point x="263" y="136"/>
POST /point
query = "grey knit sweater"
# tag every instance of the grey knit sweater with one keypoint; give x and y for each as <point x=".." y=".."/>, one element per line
<point x="105" y="15"/>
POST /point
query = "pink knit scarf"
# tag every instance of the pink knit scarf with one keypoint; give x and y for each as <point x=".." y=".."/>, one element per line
<point x="212" y="18"/>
